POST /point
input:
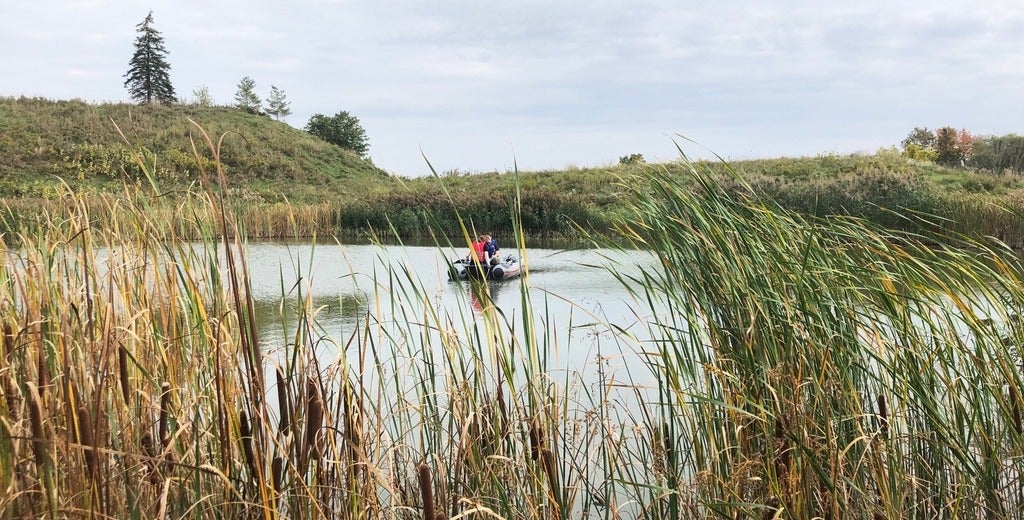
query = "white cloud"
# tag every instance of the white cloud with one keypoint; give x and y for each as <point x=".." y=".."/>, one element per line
<point x="560" y="82"/>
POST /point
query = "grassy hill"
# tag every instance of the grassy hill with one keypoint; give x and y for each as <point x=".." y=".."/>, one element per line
<point x="43" y="142"/>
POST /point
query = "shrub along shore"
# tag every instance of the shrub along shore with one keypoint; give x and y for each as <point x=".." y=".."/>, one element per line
<point x="804" y="366"/>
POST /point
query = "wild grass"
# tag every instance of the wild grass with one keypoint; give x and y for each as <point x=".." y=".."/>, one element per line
<point x="181" y="216"/>
<point x="42" y="139"/>
<point x="824" y="367"/>
<point x="805" y="367"/>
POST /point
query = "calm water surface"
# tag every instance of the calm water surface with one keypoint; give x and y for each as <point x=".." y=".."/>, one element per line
<point x="574" y="294"/>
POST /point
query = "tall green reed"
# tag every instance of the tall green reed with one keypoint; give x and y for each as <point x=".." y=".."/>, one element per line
<point x="822" y="367"/>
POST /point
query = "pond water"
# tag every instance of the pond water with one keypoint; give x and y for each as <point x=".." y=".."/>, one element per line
<point x="576" y="297"/>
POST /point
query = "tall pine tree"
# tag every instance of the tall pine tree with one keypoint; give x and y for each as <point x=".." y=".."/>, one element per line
<point x="148" y="78"/>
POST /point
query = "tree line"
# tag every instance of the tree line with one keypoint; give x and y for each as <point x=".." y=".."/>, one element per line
<point x="959" y="148"/>
<point x="148" y="80"/>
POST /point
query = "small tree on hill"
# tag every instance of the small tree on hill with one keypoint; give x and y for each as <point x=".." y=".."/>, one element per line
<point x="342" y="129"/>
<point x="202" y="96"/>
<point x="148" y="78"/>
<point x="277" y="105"/>
<point x="246" y="98"/>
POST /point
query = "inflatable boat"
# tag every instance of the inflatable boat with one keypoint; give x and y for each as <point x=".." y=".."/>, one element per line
<point x="463" y="269"/>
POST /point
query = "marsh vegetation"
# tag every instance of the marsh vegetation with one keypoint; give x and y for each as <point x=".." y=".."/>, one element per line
<point x="783" y="366"/>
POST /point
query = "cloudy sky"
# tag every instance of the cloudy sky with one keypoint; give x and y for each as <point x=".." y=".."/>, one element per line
<point x="482" y="86"/>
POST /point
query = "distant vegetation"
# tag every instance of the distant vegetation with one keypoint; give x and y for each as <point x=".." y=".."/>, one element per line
<point x="288" y="182"/>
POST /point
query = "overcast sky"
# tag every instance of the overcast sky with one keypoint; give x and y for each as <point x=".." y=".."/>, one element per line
<point x="482" y="86"/>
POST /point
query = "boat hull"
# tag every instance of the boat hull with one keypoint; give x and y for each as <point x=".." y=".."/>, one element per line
<point x="509" y="267"/>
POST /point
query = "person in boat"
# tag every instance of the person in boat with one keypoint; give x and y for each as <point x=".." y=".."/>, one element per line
<point x="491" y="246"/>
<point x="479" y="251"/>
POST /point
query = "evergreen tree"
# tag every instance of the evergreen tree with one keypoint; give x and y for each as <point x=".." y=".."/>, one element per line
<point x="148" y="78"/>
<point x="277" y="105"/>
<point x="246" y="98"/>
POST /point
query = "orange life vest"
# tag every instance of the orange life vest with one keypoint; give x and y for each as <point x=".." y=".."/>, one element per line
<point x="478" y="248"/>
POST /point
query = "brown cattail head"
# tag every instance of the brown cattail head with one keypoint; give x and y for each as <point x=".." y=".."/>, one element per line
<point x="35" y="416"/>
<point x="426" y="492"/>
<point x="1015" y="405"/>
<point x="122" y="372"/>
<point x="43" y="368"/>
<point x="149" y="450"/>
<point x="165" y="412"/>
<point x="667" y="440"/>
<point x="13" y="396"/>
<point x="250" y="456"/>
<point x="283" y="401"/>
<point x="8" y="339"/>
<point x="536" y="439"/>
<point x="314" y="420"/>
<point x="87" y="441"/>
<point x="883" y="416"/>
<point x="277" y="472"/>
<point x="10" y="388"/>
<point x="781" y="448"/>
<point x="502" y="410"/>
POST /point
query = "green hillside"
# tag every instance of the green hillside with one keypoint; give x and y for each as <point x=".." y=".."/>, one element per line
<point x="43" y="142"/>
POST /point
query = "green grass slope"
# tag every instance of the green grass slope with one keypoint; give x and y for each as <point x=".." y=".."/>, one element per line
<point x="45" y="142"/>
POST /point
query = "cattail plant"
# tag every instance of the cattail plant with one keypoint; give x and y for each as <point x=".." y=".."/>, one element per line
<point x="763" y="335"/>
<point x="426" y="492"/>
